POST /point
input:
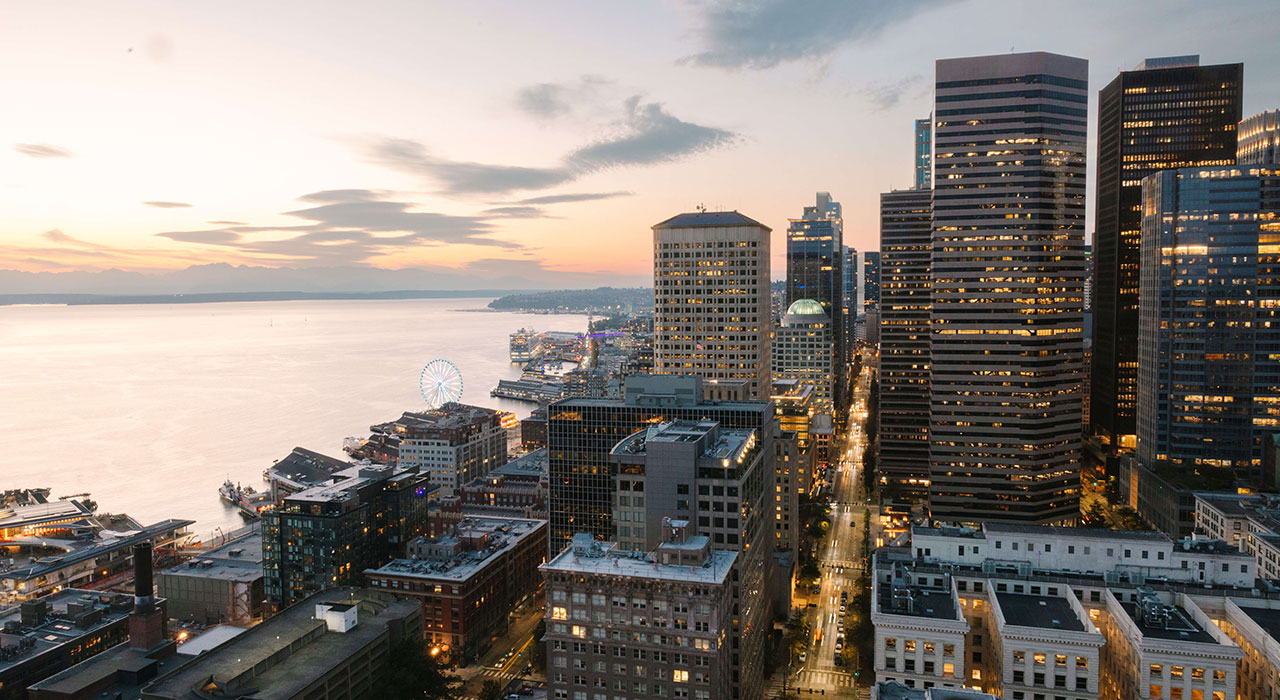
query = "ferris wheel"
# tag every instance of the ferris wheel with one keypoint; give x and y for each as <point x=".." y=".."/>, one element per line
<point x="440" y="383"/>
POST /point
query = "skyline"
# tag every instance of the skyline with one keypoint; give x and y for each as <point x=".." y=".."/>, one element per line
<point x="278" y="137"/>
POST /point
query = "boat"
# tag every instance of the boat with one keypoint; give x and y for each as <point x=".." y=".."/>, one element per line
<point x="525" y="345"/>
<point x="229" y="492"/>
<point x="248" y="501"/>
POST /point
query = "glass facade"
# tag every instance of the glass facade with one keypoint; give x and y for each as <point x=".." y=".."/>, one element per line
<point x="1209" y="342"/>
<point x="1007" y="277"/>
<point x="1259" y="142"/>
<point x="924" y="153"/>
<point x="1148" y="120"/>
<point x="815" y="262"/>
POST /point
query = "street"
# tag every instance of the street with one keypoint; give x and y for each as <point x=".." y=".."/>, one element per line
<point x="840" y="555"/>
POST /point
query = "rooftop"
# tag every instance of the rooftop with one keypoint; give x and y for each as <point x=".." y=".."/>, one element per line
<point x="728" y="443"/>
<point x="306" y="468"/>
<point x="603" y="559"/>
<point x="80" y="551"/>
<point x="1266" y="618"/>
<point x="348" y="480"/>
<point x="1162" y="621"/>
<point x="710" y="219"/>
<point x="535" y="463"/>
<point x="68" y="615"/>
<point x="1055" y="531"/>
<point x="1046" y="612"/>
<point x="450" y="415"/>
<point x="806" y="307"/>
<point x="238" y="560"/>
<point x="893" y="690"/>
<point x="256" y="658"/>
<point x="914" y="600"/>
<point x="455" y="557"/>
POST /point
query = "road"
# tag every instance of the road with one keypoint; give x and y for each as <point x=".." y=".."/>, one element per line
<point x="841" y="553"/>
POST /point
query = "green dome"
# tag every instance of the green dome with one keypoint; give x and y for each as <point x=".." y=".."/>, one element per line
<point x="806" y="307"/>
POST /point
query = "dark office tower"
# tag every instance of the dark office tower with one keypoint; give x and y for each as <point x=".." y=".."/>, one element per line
<point x="905" y="245"/>
<point x="1209" y="386"/>
<point x="870" y="280"/>
<point x="815" y="263"/>
<point x="1007" y="281"/>
<point x="582" y="432"/>
<point x="924" y="153"/>
<point x="850" y="271"/>
<point x="1167" y="113"/>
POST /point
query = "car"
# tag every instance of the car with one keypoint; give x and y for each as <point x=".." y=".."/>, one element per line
<point x="844" y="596"/>
<point x="839" y="646"/>
<point x="840" y="640"/>
<point x="804" y="657"/>
<point x="839" y="659"/>
<point x="840" y="625"/>
<point x="844" y="608"/>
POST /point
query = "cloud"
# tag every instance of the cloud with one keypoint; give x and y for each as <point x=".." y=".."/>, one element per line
<point x="347" y="227"/>
<point x="224" y="222"/>
<point x="582" y="197"/>
<point x="883" y="96"/>
<point x="553" y="100"/>
<point x="42" y="150"/>
<point x="168" y="205"/>
<point x="647" y="134"/>
<point x="760" y="34"/>
<point x="516" y="212"/>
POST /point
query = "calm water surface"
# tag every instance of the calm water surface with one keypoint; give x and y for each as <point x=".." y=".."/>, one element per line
<point x="151" y="407"/>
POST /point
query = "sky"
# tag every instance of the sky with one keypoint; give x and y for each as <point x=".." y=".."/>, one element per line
<point x="534" y="139"/>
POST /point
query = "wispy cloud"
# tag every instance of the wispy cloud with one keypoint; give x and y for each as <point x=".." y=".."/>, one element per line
<point x="760" y="34"/>
<point x="167" y="205"/>
<point x="883" y="96"/>
<point x="517" y="212"/>
<point x="646" y="134"/>
<point x="553" y="100"/>
<point x="347" y="227"/>
<point x="577" y="197"/>
<point x="43" y="150"/>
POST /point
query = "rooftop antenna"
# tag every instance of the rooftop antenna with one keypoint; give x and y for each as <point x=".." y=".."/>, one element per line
<point x="702" y="208"/>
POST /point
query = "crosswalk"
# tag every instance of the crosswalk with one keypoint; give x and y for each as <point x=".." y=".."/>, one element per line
<point x="496" y="674"/>
<point x="834" y="683"/>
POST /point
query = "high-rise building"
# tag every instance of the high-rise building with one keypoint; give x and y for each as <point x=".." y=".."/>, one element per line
<point x="712" y="314"/>
<point x="870" y="280"/>
<point x="713" y="482"/>
<point x="1007" y="281"/>
<point x="1167" y="113"/>
<point x="452" y="444"/>
<point x="1209" y="380"/>
<point x="804" y="349"/>
<point x="924" y="154"/>
<point x="581" y="433"/>
<point x="815" y="270"/>
<point x="326" y="536"/>
<point x="906" y="227"/>
<point x="850" y="272"/>
<point x="1259" y="141"/>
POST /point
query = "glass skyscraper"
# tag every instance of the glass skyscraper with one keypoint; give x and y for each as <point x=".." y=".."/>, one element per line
<point x="1259" y="141"/>
<point x="924" y="153"/>
<point x="1168" y="113"/>
<point x="1209" y="339"/>
<point x="815" y="262"/>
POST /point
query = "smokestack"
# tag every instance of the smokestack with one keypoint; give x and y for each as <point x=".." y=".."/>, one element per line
<point x="143" y="591"/>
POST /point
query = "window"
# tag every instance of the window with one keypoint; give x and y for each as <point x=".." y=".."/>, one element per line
<point x="1082" y="662"/>
<point x="1071" y="549"/>
<point x="680" y="676"/>
<point x="1060" y="660"/>
<point x="1039" y="659"/>
<point x="559" y="613"/>
<point x="1019" y="657"/>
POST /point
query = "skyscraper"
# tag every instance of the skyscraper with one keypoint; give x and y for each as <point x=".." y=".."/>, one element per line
<point x="712" y="314"/>
<point x="906" y="222"/>
<point x="1259" y="141"/>
<point x="1007" y="282"/>
<point x="850" y="272"/>
<point x="1167" y="113"/>
<point x="924" y="154"/>
<point x="870" y="280"/>
<point x="1209" y="378"/>
<point x="815" y="263"/>
<point x="804" y="350"/>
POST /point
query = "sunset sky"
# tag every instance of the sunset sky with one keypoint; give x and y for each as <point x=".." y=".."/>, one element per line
<point x="516" y="137"/>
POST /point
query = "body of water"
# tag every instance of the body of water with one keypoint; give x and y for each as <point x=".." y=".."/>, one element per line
<point x="151" y="407"/>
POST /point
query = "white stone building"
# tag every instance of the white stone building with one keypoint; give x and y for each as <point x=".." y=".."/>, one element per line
<point x="920" y="631"/>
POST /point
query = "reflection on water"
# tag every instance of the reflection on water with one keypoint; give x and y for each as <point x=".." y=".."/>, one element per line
<point x="151" y="407"/>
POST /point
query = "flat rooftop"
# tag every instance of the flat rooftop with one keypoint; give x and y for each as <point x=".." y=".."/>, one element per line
<point x="1266" y="618"/>
<point x="1045" y="612"/>
<point x="915" y="601"/>
<point x="1079" y="532"/>
<point x="504" y="534"/>
<point x="1177" y="625"/>
<point x="346" y="481"/>
<point x="108" y="541"/>
<point x="606" y="560"/>
<point x="535" y="463"/>
<point x="59" y="625"/>
<point x="238" y="560"/>
<point x="305" y="467"/>
<point x="233" y="663"/>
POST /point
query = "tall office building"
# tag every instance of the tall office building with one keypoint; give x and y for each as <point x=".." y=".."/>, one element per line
<point x="924" y="154"/>
<point x="712" y="312"/>
<point x="1209" y="381"/>
<point x="1007" y="281"/>
<point x="870" y="280"/>
<point x="1259" y="141"/>
<point x="1167" y="113"/>
<point x="815" y="263"/>
<point x="850" y="272"/>
<point x="582" y="432"/>
<point x="906" y="227"/>
<point x="804" y="349"/>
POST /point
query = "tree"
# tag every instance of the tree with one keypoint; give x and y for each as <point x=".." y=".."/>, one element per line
<point x="491" y="690"/>
<point x="538" y="651"/>
<point x="412" y="674"/>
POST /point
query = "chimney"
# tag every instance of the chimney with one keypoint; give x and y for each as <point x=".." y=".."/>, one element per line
<point x="143" y="588"/>
<point x="146" y="622"/>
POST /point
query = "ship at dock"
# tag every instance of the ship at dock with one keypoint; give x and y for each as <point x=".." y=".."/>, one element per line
<point x="526" y="345"/>
<point x="249" y="502"/>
